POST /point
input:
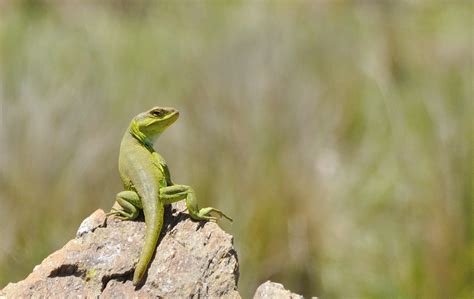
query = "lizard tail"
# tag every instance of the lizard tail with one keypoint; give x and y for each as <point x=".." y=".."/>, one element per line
<point x="154" y="222"/>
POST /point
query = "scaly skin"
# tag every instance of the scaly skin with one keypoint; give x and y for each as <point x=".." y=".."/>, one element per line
<point x="147" y="181"/>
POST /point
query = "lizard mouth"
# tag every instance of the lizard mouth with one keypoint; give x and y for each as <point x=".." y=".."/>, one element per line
<point x="173" y="115"/>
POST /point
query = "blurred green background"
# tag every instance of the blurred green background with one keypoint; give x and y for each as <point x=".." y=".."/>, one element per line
<point x="339" y="136"/>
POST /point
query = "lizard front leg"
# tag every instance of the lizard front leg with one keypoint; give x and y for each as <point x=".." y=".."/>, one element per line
<point x="176" y="193"/>
<point x="130" y="203"/>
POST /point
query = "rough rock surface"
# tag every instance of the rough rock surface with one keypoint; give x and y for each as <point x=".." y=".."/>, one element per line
<point x="274" y="290"/>
<point x="193" y="259"/>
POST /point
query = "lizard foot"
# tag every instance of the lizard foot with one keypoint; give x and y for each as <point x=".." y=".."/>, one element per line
<point x="120" y="214"/>
<point x="203" y="214"/>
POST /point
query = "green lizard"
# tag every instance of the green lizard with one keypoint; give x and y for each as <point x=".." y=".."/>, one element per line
<point x="147" y="181"/>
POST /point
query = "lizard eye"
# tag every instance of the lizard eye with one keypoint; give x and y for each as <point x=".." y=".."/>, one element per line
<point x="157" y="113"/>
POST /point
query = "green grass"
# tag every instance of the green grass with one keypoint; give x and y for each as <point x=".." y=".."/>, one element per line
<point x="338" y="136"/>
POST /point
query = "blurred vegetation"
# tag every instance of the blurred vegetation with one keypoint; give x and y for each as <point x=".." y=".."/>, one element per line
<point x="338" y="136"/>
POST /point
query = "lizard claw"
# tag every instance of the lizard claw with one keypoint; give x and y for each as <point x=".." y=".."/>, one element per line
<point x="119" y="214"/>
<point x="221" y="214"/>
<point x="113" y="212"/>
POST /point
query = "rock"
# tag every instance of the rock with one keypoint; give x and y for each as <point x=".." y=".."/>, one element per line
<point x="274" y="290"/>
<point x="193" y="259"/>
<point x="95" y="220"/>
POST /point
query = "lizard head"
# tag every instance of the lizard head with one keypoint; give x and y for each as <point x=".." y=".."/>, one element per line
<point x="153" y="122"/>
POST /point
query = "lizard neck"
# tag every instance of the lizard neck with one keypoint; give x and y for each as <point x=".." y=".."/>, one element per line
<point x="146" y="141"/>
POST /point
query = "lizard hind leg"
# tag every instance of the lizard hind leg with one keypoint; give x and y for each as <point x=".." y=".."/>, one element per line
<point x="175" y="193"/>
<point x="130" y="203"/>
